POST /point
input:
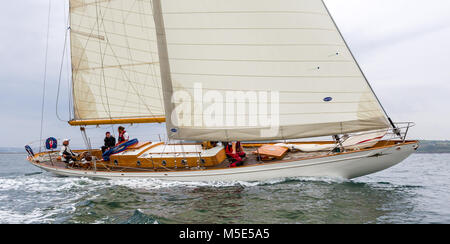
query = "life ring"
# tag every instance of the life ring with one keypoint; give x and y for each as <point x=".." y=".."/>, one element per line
<point x="51" y="143"/>
<point x="118" y="149"/>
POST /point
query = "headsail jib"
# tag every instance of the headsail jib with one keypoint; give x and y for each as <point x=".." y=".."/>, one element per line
<point x="260" y="70"/>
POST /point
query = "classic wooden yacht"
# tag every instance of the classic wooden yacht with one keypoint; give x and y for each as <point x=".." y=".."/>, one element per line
<point x="211" y="164"/>
<point x="263" y="72"/>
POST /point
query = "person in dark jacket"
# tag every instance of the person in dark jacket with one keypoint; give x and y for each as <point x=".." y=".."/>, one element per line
<point x="110" y="142"/>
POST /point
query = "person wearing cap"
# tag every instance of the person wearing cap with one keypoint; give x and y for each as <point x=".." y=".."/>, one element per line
<point x="110" y="142"/>
<point x="66" y="153"/>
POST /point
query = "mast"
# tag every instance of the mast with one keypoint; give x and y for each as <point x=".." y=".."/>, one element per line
<point x="166" y="78"/>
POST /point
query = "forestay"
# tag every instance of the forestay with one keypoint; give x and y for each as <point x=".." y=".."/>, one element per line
<point x="115" y="62"/>
<point x="259" y="70"/>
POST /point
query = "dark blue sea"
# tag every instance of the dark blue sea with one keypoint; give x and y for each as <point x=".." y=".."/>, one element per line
<point x="416" y="191"/>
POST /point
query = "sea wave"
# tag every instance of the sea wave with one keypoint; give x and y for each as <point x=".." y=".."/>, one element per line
<point x="49" y="183"/>
<point x="413" y="192"/>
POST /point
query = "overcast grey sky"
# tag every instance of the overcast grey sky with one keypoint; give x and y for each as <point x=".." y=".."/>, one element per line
<point x="403" y="46"/>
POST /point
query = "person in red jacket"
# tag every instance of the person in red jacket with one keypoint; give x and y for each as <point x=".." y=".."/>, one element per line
<point x="123" y="135"/>
<point x="235" y="153"/>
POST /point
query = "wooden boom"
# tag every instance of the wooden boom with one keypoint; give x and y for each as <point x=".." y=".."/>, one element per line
<point x="117" y="121"/>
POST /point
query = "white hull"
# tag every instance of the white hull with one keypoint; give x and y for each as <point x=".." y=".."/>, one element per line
<point x="347" y="166"/>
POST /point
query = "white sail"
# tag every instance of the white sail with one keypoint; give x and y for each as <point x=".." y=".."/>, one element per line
<point x="259" y="69"/>
<point x="115" y="62"/>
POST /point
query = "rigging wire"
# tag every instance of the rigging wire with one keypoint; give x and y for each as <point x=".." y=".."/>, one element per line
<point x="45" y="73"/>
<point x="65" y="58"/>
<point x="69" y="61"/>
<point x="60" y="76"/>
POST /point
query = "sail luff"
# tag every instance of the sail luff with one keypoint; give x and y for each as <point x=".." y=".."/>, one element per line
<point x="72" y="110"/>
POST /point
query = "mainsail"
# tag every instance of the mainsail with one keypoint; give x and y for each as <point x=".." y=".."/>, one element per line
<point x="259" y="70"/>
<point x="115" y="64"/>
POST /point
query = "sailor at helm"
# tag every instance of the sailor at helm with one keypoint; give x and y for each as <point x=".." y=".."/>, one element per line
<point x="66" y="153"/>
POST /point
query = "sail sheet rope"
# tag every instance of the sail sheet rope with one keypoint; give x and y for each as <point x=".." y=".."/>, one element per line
<point x="45" y="73"/>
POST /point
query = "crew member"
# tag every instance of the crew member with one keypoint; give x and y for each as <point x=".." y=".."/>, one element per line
<point x="110" y="142"/>
<point x="66" y="153"/>
<point x="235" y="153"/>
<point x="123" y="135"/>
